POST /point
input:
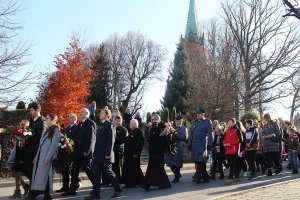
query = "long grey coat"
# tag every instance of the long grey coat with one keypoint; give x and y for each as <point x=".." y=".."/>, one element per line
<point x="201" y="135"/>
<point x="47" y="151"/>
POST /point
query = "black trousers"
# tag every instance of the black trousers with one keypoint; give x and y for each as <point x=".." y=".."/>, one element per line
<point x="66" y="177"/>
<point x="272" y="158"/>
<point x="176" y="171"/>
<point x="28" y="165"/>
<point x="260" y="163"/>
<point x="117" y="166"/>
<point x="85" y="164"/>
<point x="250" y="157"/>
<point x="201" y="172"/>
<point x="241" y="164"/>
<point x="217" y="162"/>
<point x="232" y="162"/>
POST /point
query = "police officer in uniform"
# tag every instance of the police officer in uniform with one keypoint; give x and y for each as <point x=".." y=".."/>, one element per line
<point x="200" y="139"/>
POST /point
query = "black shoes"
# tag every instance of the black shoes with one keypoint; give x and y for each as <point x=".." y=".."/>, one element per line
<point x="269" y="172"/>
<point x="69" y="193"/>
<point x="145" y="187"/>
<point x="17" y="194"/>
<point x="221" y="177"/>
<point x="195" y="180"/>
<point x="116" y="194"/>
<point x="277" y="171"/>
<point x="205" y="180"/>
<point x="289" y="166"/>
<point x="295" y="171"/>
<point x="175" y="180"/>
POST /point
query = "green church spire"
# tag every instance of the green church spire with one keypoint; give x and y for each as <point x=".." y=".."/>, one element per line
<point x="192" y="32"/>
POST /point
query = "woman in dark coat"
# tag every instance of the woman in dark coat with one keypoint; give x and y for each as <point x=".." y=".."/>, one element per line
<point x="132" y="174"/>
<point x="155" y="173"/>
<point x="18" y="164"/>
<point x="175" y="161"/>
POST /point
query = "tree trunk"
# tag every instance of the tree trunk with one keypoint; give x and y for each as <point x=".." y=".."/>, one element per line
<point x="293" y="108"/>
<point x="261" y="110"/>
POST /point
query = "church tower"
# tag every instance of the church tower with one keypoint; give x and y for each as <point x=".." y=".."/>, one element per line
<point x="193" y="41"/>
<point x="192" y="32"/>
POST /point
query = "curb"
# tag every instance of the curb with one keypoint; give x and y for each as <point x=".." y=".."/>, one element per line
<point x="83" y="176"/>
<point x="223" y="197"/>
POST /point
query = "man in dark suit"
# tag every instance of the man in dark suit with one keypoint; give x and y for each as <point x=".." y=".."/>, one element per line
<point x="84" y="142"/>
<point x="70" y="135"/>
<point x="104" y="156"/>
<point x="37" y="126"/>
<point x="121" y="134"/>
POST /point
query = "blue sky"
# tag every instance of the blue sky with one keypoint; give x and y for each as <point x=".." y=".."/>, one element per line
<point x="48" y="25"/>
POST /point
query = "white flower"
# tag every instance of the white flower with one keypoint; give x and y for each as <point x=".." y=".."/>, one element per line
<point x="63" y="146"/>
<point x="59" y="144"/>
<point x="27" y="133"/>
<point x="62" y="139"/>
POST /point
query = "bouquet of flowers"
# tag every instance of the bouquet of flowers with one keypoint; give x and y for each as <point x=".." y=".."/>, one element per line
<point x="171" y="143"/>
<point x="168" y="129"/>
<point x="64" y="154"/>
<point x="21" y="133"/>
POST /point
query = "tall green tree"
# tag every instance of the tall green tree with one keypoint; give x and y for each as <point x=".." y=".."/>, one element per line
<point x="99" y="85"/>
<point x="178" y="85"/>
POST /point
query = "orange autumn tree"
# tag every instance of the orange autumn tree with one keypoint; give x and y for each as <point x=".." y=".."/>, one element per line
<point x="65" y="90"/>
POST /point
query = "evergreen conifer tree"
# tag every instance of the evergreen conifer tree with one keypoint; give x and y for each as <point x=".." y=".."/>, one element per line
<point x="178" y="81"/>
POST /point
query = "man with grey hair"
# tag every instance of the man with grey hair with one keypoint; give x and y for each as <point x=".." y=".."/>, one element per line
<point x="84" y="142"/>
<point x="134" y="123"/>
<point x="132" y="174"/>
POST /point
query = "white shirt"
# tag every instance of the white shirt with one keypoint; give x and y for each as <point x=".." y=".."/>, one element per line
<point x="35" y="118"/>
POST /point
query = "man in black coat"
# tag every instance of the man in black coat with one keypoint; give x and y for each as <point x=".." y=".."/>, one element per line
<point x="84" y="142"/>
<point x="104" y="156"/>
<point x="70" y="135"/>
<point x="121" y="133"/>
<point x="37" y="126"/>
<point x="132" y="174"/>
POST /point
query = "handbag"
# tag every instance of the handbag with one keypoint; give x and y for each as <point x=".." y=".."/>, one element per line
<point x="12" y="155"/>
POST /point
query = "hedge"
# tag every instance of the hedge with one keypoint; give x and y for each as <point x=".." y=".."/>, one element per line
<point x="9" y="120"/>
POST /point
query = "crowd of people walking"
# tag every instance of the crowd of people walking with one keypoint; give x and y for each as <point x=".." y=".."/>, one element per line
<point x="110" y="152"/>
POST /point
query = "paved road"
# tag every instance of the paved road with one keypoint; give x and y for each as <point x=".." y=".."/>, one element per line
<point x="184" y="189"/>
<point x="284" y="191"/>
